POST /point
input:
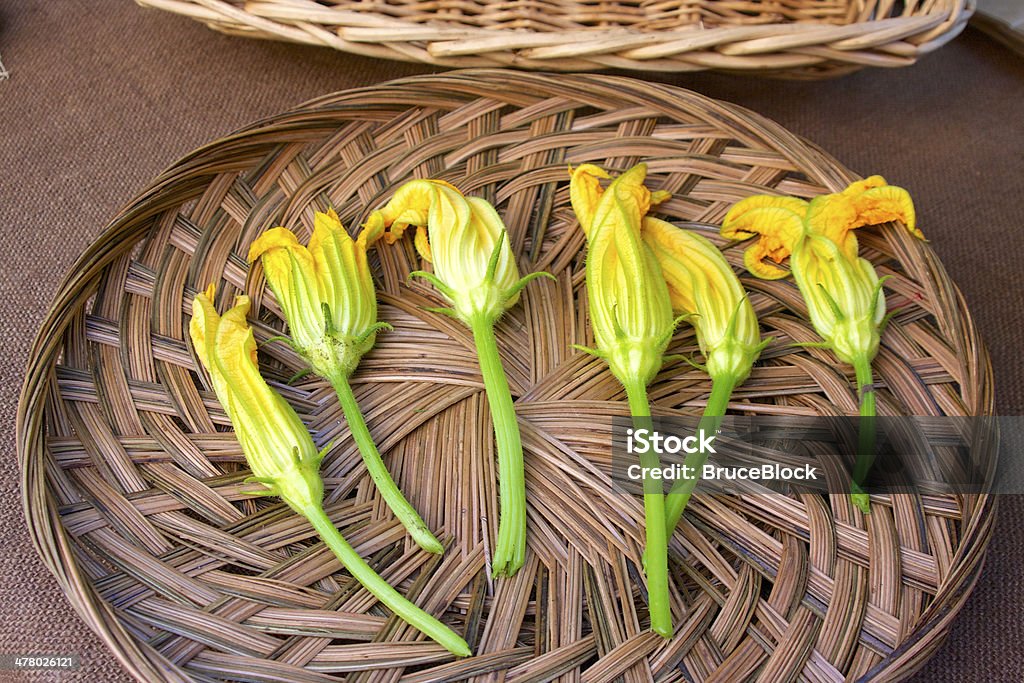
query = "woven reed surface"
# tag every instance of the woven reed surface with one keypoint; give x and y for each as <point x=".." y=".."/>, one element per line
<point x="133" y="483"/>
<point x="802" y="38"/>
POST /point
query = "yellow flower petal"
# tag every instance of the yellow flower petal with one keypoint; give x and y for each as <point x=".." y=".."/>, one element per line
<point x="585" y="193"/>
<point x="778" y="228"/>
<point x="458" y="235"/>
<point x="739" y="225"/>
<point x="276" y="444"/>
<point x="701" y="282"/>
<point x="866" y="202"/>
<point x="346" y="284"/>
<point x="859" y="186"/>
<point x="275" y="238"/>
<point x="884" y="204"/>
<point x="630" y="304"/>
<point x="834" y="216"/>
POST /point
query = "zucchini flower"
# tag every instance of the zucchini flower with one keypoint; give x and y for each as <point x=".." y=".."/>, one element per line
<point x="326" y="292"/>
<point x="631" y="316"/>
<point x="843" y="293"/>
<point x="475" y="270"/>
<point x="703" y="285"/>
<point x="280" y="451"/>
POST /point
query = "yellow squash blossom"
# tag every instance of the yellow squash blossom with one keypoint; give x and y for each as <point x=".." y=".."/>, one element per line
<point x="279" y="450"/>
<point x="276" y="445"/>
<point x="631" y="316"/>
<point x="327" y="295"/>
<point x="474" y="269"/>
<point x="325" y="290"/>
<point x="843" y="293"/>
<point x="866" y="202"/>
<point x="703" y="285"/>
<point x="463" y="238"/>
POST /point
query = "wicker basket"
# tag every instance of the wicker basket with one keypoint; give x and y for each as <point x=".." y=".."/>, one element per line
<point x="133" y="486"/>
<point x="805" y="38"/>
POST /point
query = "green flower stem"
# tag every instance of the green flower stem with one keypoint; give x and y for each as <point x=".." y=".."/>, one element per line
<point x="866" y="433"/>
<point x="380" y="588"/>
<point x="656" y="551"/>
<point x="510" y="548"/>
<point x="679" y="496"/>
<point x="405" y="512"/>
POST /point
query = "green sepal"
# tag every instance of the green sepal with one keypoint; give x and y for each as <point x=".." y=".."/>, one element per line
<point x="374" y="329"/>
<point x="596" y="353"/>
<point x="269" y="482"/>
<point x="280" y="338"/>
<point x="810" y="345"/>
<point x="832" y="303"/>
<point x="525" y="280"/>
<point x="874" y="296"/>
<point x="299" y="375"/>
<point x="434" y="280"/>
<point x="442" y="310"/>
<point x="492" y="264"/>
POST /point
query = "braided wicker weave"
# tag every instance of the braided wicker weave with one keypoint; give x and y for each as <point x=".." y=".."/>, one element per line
<point x="806" y="38"/>
<point x="134" y="490"/>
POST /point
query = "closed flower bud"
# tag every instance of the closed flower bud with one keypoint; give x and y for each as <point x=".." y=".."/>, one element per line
<point x="276" y="445"/>
<point x="325" y="291"/>
<point x="844" y="297"/>
<point x="701" y="283"/>
<point x="630" y="308"/>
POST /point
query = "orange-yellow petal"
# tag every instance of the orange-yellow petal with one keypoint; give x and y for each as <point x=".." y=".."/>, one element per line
<point x="585" y="193"/>
<point x="884" y="204"/>
<point x="859" y="186"/>
<point x="739" y="225"/>
<point x="275" y="238"/>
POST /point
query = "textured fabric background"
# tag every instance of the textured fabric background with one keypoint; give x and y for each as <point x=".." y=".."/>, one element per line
<point x="104" y="94"/>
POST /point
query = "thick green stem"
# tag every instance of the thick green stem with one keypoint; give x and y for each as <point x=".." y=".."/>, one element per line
<point x="866" y="433"/>
<point x="656" y="551"/>
<point x="380" y="588"/>
<point x="401" y="507"/>
<point x="679" y="496"/>
<point x="510" y="548"/>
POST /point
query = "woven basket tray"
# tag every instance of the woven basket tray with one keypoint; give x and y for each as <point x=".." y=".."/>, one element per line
<point x="133" y="484"/>
<point x="805" y="38"/>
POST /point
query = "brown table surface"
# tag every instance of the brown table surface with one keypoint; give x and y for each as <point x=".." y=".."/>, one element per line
<point x="103" y="95"/>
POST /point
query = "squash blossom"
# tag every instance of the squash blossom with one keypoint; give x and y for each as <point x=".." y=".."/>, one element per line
<point x="842" y="291"/>
<point x="474" y="269"/>
<point x="327" y="295"/>
<point x="631" y="317"/>
<point x="280" y="451"/>
<point x="703" y="285"/>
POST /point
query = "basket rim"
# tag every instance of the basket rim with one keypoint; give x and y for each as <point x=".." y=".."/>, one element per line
<point x="798" y="48"/>
<point x="44" y="523"/>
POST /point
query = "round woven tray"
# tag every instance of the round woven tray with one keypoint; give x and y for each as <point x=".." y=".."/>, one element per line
<point x="133" y="483"/>
<point x="803" y="38"/>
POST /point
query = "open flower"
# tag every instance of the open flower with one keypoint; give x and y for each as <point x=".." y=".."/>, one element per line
<point x="631" y="316"/>
<point x="463" y="237"/>
<point x="842" y="291"/>
<point x="474" y="269"/>
<point x="279" y="450"/>
<point x="327" y="295"/>
<point x="780" y="221"/>
<point x="325" y="290"/>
